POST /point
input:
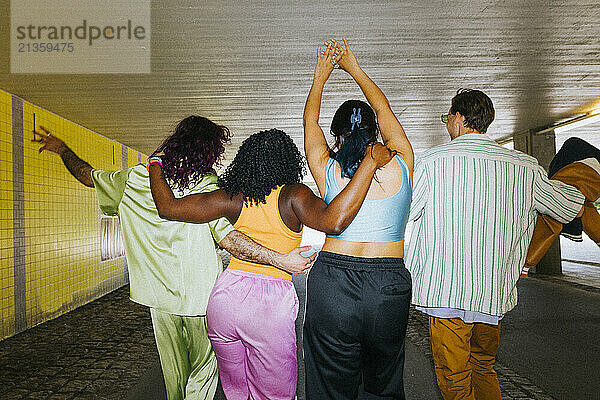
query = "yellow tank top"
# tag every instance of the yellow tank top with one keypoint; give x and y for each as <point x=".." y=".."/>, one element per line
<point x="264" y="225"/>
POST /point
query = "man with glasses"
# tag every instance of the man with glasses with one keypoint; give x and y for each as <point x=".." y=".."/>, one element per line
<point x="475" y="204"/>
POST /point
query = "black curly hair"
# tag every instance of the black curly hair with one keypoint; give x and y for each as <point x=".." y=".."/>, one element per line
<point x="265" y="160"/>
<point x="193" y="150"/>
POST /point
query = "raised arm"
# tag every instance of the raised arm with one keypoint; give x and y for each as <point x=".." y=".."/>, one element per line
<point x="81" y="170"/>
<point x="391" y="130"/>
<point x="199" y="207"/>
<point x="315" y="144"/>
<point x="205" y="207"/>
<point x="334" y="217"/>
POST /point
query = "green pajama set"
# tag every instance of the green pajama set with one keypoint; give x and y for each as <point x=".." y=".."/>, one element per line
<point x="172" y="269"/>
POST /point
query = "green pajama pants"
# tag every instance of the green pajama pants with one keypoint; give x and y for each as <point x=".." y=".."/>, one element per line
<point x="188" y="362"/>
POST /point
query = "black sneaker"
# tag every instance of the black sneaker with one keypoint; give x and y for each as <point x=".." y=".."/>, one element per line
<point x="573" y="230"/>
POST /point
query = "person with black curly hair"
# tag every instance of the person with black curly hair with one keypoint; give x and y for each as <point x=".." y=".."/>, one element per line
<point x="358" y="291"/>
<point x="172" y="265"/>
<point x="252" y="308"/>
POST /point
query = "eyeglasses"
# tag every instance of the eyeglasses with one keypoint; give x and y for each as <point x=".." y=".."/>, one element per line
<point x="445" y="118"/>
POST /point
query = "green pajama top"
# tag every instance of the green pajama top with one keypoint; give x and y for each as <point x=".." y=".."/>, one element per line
<point x="172" y="265"/>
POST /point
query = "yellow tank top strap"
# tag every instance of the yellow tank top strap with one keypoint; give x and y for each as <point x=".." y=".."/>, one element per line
<point x="263" y="223"/>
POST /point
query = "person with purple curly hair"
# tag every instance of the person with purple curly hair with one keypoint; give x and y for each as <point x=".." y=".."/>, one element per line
<point x="173" y="265"/>
<point x="189" y="157"/>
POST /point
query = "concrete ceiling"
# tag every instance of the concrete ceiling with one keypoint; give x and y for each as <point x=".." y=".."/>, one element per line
<point x="249" y="65"/>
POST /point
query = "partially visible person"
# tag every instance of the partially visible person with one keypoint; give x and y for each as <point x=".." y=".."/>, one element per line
<point x="172" y="265"/>
<point x="358" y="291"/>
<point x="475" y="205"/>
<point x="577" y="163"/>
<point x="252" y="309"/>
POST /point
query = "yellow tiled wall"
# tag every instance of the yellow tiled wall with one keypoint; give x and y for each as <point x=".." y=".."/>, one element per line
<point x="63" y="269"/>
<point x="132" y="157"/>
<point x="6" y="227"/>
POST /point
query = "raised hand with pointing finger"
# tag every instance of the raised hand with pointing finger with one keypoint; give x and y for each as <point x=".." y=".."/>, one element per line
<point x="81" y="170"/>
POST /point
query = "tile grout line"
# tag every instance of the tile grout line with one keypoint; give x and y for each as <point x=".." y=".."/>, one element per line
<point x="125" y="165"/>
<point x="18" y="166"/>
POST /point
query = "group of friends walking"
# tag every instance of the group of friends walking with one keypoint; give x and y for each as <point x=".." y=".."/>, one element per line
<point x="474" y="205"/>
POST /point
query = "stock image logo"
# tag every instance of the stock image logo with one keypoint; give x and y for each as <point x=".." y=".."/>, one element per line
<point x="80" y="36"/>
<point x="90" y="33"/>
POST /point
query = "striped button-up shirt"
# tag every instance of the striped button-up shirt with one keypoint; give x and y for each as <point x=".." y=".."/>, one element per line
<point x="475" y="204"/>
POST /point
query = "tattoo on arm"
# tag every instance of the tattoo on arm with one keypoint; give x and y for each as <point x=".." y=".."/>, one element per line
<point x="244" y="248"/>
<point x="80" y="169"/>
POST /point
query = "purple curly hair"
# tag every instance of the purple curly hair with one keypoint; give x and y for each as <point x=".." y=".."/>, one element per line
<point x="192" y="151"/>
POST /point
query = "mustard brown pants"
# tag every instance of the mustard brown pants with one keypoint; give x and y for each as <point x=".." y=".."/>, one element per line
<point x="464" y="356"/>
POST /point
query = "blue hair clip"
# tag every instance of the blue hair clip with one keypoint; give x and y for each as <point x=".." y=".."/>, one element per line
<point x="355" y="118"/>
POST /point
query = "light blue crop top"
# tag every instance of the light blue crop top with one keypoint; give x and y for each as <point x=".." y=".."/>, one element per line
<point x="379" y="220"/>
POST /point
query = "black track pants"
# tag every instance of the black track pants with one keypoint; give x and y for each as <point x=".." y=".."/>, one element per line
<point x="355" y="325"/>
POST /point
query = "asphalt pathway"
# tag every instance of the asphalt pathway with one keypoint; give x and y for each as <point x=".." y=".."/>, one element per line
<point x="549" y="349"/>
<point x="552" y="337"/>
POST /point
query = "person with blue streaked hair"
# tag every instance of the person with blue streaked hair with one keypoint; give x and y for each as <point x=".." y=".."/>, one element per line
<point x="358" y="290"/>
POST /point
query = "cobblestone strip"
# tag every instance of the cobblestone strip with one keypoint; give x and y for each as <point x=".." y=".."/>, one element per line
<point x="95" y="352"/>
<point x="512" y="385"/>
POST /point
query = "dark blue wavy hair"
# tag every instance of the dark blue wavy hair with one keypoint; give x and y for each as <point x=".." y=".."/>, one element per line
<point x="354" y="126"/>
